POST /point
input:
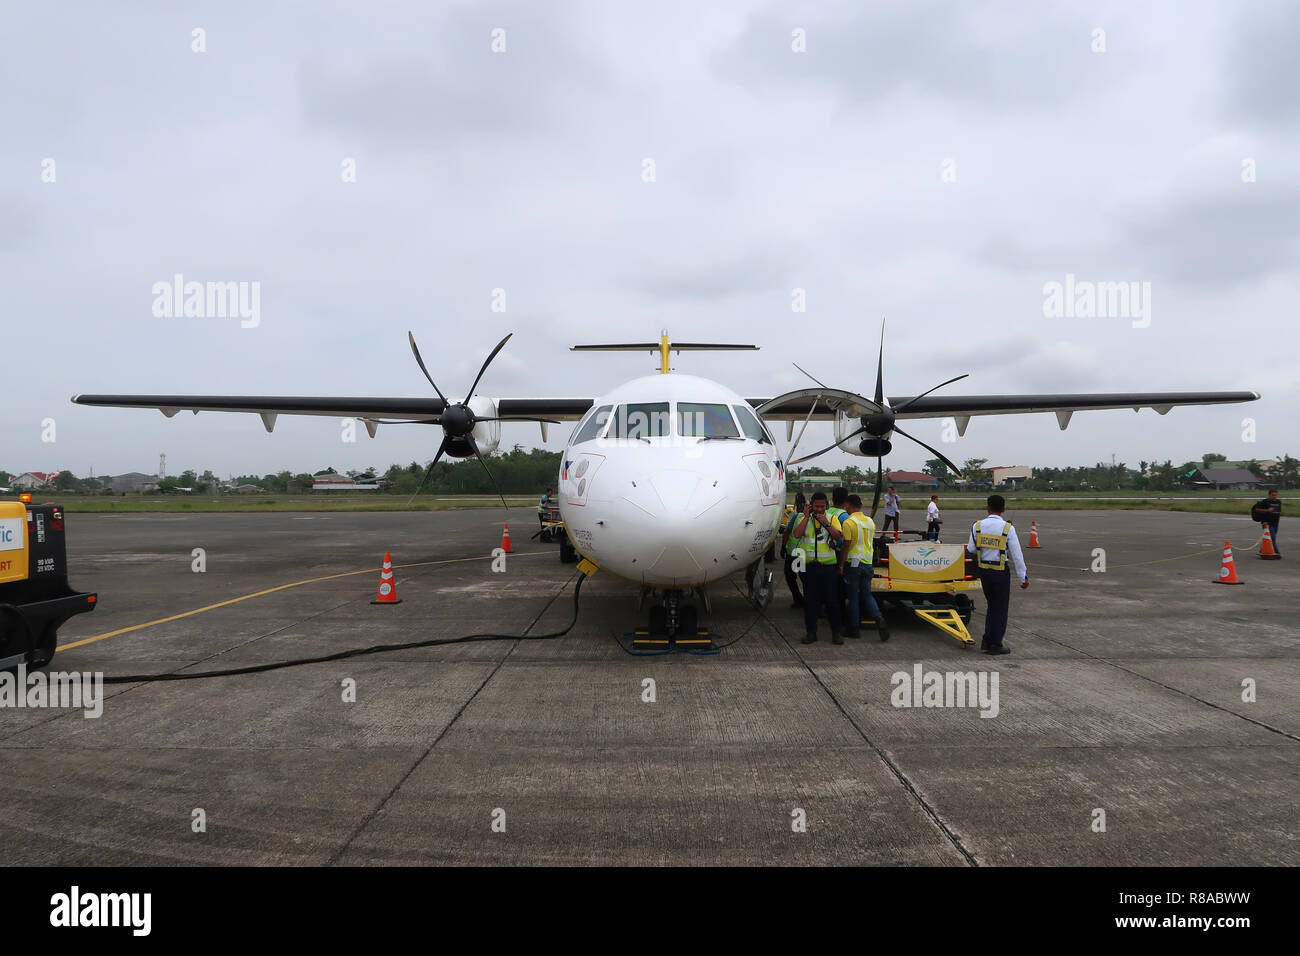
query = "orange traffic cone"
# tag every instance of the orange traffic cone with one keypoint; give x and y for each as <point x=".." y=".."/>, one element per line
<point x="1228" y="572"/>
<point x="1033" y="535"/>
<point x="387" y="583"/>
<point x="1266" y="549"/>
<point x="505" y="539"/>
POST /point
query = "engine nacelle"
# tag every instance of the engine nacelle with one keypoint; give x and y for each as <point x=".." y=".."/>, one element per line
<point x="487" y="435"/>
<point x="844" y="427"/>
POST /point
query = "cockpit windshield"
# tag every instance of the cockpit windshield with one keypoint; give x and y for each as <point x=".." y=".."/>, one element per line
<point x="751" y="426"/>
<point x="643" y="420"/>
<point x="704" y="420"/>
<point x="593" y="426"/>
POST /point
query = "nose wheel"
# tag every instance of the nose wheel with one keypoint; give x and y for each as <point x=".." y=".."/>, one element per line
<point x="673" y="623"/>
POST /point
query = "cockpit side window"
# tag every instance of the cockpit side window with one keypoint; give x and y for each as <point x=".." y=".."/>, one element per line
<point x="705" y="420"/>
<point x="642" y="420"/>
<point x="751" y="426"/>
<point x="593" y="426"/>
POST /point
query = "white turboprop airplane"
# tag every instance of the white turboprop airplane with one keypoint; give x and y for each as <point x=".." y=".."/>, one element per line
<point x="670" y="481"/>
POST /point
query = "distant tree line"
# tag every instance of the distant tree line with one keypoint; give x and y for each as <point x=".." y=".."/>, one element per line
<point x="520" y="472"/>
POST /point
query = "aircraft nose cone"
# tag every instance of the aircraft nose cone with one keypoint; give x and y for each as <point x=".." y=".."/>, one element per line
<point x="675" y="490"/>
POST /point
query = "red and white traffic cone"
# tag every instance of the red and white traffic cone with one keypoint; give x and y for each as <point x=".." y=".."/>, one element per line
<point x="505" y="539"/>
<point x="1033" y="535"/>
<point x="1266" y="549"/>
<point x="1228" y="570"/>
<point x="387" y="583"/>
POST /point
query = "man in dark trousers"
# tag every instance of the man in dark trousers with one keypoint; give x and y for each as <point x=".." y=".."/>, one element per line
<point x="992" y="540"/>
<point x="787" y="526"/>
<point x="1269" y="512"/>
<point x="815" y="535"/>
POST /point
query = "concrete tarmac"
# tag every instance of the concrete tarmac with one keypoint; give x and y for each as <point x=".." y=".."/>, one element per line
<point x="1122" y="736"/>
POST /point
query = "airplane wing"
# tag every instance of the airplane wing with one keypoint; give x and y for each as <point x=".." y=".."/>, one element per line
<point x="964" y="407"/>
<point x="375" y="410"/>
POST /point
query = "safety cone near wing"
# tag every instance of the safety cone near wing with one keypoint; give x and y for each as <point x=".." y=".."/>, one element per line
<point x="1266" y="549"/>
<point x="505" y="539"/>
<point x="1033" y="535"/>
<point x="387" y="583"/>
<point x="1228" y="572"/>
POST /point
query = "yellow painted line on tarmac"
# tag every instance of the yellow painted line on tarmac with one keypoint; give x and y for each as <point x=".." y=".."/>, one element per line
<point x="282" y="587"/>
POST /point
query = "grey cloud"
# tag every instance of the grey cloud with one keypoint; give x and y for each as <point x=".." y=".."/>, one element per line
<point x="1241" y="235"/>
<point x="454" y="87"/>
<point x="1264" y="66"/>
<point x="985" y="54"/>
<point x="709" y="280"/>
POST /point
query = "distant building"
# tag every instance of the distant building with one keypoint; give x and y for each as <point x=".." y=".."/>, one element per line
<point x="1011" y="474"/>
<point x="246" y="489"/>
<point x="1222" y="479"/>
<point x="31" y="480"/>
<point x="910" y="479"/>
<point x="133" y="483"/>
<point x="336" y="482"/>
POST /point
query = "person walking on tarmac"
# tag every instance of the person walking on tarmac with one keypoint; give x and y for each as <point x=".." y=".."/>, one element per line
<point x="892" y="510"/>
<point x="992" y="539"/>
<point x="856" y="570"/>
<point x="1269" y="512"/>
<point x="816" y="533"/>
<point x="787" y="526"/>
<point x="932" y="519"/>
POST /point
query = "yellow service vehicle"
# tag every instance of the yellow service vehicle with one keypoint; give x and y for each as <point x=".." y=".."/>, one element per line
<point x="35" y="599"/>
<point x="934" y="581"/>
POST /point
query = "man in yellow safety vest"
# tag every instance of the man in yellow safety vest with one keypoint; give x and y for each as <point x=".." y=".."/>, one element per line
<point x="815" y="533"/>
<point x="856" y="569"/>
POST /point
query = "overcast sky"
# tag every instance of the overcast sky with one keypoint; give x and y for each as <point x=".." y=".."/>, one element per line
<point x="934" y="164"/>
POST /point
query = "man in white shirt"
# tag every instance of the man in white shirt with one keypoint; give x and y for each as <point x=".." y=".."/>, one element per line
<point x="932" y="519"/>
<point x="992" y="541"/>
<point x="892" y="510"/>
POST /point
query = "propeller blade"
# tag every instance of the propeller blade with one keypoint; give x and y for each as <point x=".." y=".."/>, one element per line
<point x="937" y="454"/>
<point x="858" y="431"/>
<point x="474" y="446"/>
<point x="411" y="336"/>
<point x="517" y="418"/>
<point x="428" y="471"/>
<point x="880" y="478"/>
<point x="925" y="393"/>
<point x="822" y="384"/>
<point x="486" y="363"/>
<point x="880" y="368"/>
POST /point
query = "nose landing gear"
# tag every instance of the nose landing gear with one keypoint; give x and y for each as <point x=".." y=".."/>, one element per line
<point x="673" y="623"/>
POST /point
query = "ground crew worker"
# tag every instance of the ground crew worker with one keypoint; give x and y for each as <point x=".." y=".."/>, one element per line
<point x="816" y="534"/>
<point x="856" y="570"/>
<point x="787" y="526"/>
<point x="839" y="497"/>
<point x="932" y="519"/>
<point x="1269" y="512"/>
<point x="992" y="539"/>
<point x="544" y="508"/>
<point x="892" y="510"/>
